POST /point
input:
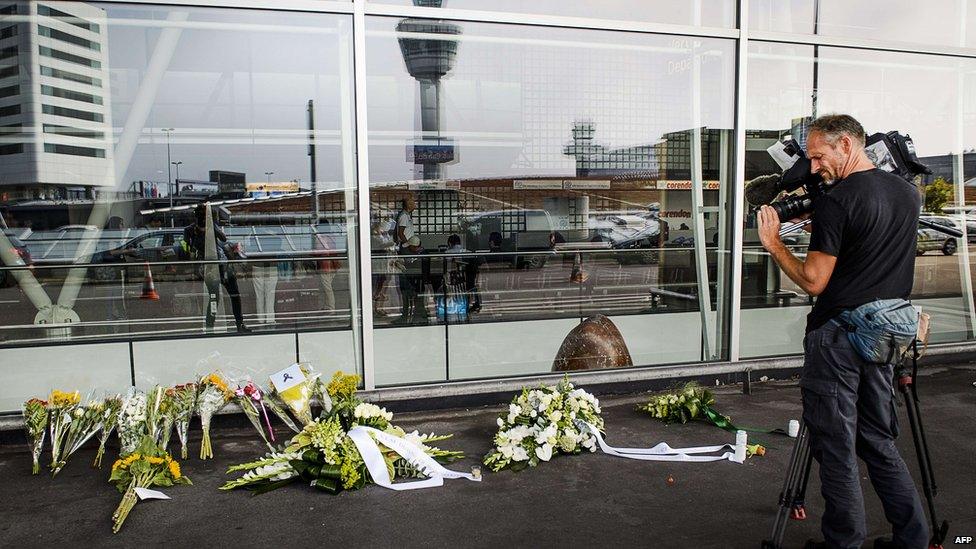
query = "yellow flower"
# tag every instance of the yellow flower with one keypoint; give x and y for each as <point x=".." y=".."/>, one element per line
<point x="117" y="464"/>
<point x="154" y="460"/>
<point x="342" y="385"/>
<point x="174" y="470"/>
<point x="61" y="398"/>
<point x="216" y="381"/>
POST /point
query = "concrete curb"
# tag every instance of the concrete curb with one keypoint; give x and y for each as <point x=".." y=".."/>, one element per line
<point x="468" y="394"/>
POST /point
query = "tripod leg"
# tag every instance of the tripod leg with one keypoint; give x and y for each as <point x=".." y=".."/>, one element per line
<point x="918" y="418"/>
<point x="799" y="510"/>
<point x="939" y="531"/>
<point x="791" y="486"/>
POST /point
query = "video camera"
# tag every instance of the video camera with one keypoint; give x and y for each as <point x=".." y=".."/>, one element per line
<point x="892" y="152"/>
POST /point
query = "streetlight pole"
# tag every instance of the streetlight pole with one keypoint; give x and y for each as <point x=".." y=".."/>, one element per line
<point x="176" y="185"/>
<point x="169" y="177"/>
<point x="269" y="174"/>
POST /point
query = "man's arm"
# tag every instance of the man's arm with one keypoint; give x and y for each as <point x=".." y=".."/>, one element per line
<point x="813" y="274"/>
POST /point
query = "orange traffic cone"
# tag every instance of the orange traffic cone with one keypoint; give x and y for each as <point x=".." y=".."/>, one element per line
<point x="148" y="288"/>
<point x="578" y="275"/>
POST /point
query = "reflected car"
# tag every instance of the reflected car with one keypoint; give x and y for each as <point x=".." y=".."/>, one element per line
<point x="20" y="250"/>
<point x="630" y="232"/>
<point x="955" y="223"/>
<point x="149" y="247"/>
<point x="929" y="240"/>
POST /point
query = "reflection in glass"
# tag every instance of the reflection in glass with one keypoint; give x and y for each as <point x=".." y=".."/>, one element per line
<point x="709" y="13"/>
<point x="520" y="185"/>
<point x="928" y="23"/>
<point x="104" y="104"/>
<point x="884" y="91"/>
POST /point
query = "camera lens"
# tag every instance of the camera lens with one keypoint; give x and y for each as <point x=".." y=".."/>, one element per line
<point x="792" y="207"/>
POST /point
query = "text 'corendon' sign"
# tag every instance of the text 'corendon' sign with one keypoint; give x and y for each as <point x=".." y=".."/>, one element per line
<point x="685" y="185"/>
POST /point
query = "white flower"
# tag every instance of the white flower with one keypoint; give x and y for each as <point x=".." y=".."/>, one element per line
<point x="506" y="450"/>
<point x="519" y="454"/>
<point x="513" y="412"/>
<point x="546" y="435"/>
<point x="590" y="444"/>
<point x="500" y="422"/>
<point x="365" y="410"/>
<point x="544" y="452"/>
<point x="533" y="413"/>
<point x="556" y="416"/>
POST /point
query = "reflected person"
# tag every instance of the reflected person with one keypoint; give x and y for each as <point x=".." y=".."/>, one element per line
<point x="325" y="267"/>
<point x="413" y="308"/>
<point x="194" y="246"/>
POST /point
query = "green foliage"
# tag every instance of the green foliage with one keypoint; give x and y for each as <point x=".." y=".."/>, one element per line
<point x="937" y="194"/>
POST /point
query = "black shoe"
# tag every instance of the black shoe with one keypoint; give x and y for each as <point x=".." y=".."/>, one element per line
<point x="815" y="544"/>
<point x="242" y="329"/>
<point x="886" y="543"/>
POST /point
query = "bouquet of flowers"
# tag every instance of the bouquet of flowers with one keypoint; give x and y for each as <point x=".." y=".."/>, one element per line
<point x="156" y="413"/>
<point x="132" y="421"/>
<point x="213" y="395"/>
<point x="148" y="465"/>
<point x="86" y="420"/>
<point x="61" y="407"/>
<point x="182" y="401"/>
<point x="35" y="424"/>
<point x="110" y="419"/>
<point x="167" y="410"/>
<point x="323" y="454"/>
<point x="692" y="401"/>
<point x="542" y="422"/>
<point x="297" y="399"/>
<point x="682" y="404"/>
<point x="251" y="400"/>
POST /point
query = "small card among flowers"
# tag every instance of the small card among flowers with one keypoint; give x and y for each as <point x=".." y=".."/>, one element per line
<point x="542" y="422"/>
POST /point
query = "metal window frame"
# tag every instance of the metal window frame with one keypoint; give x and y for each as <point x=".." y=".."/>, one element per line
<point x="360" y="9"/>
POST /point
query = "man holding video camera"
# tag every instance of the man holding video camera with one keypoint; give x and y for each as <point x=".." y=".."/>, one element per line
<point x="862" y="249"/>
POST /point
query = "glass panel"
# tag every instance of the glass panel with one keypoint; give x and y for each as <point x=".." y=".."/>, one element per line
<point x="248" y="111"/>
<point x="547" y="180"/>
<point x="884" y="92"/>
<point x="932" y="23"/>
<point x="707" y="13"/>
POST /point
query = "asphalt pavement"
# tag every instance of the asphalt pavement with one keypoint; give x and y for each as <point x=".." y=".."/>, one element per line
<point x="576" y="501"/>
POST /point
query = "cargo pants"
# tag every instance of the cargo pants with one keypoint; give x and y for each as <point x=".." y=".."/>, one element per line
<point x="849" y="409"/>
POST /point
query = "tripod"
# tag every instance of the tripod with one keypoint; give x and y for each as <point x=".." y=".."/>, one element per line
<point x="793" y="494"/>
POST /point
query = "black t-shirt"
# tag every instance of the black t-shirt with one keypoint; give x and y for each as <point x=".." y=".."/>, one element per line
<point x="868" y="221"/>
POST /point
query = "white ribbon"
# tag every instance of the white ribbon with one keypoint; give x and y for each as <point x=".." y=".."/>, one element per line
<point x="663" y="452"/>
<point x="415" y="456"/>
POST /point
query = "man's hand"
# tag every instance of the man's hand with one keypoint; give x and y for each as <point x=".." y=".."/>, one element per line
<point x="769" y="228"/>
<point x="813" y="274"/>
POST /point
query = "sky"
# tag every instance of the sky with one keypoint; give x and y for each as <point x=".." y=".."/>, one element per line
<point x="237" y="86"/>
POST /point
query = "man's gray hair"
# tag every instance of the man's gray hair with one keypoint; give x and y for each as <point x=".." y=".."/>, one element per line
<point x="832" y="126"/>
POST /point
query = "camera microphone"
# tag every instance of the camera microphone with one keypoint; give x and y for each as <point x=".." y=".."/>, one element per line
<point x="763" y="189"/>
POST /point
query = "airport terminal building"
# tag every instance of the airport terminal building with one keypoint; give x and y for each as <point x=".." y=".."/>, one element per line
<point x="447" y="197"/>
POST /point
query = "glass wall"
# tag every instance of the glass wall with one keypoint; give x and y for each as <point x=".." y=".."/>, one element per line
<point x="920" y="95"/>
<point x="120" y="121"/>
<point x="531" y="183"/>
<point x="929" y="23"/>
<point x="541" y="196"/>
<point x="708" y="13"/>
